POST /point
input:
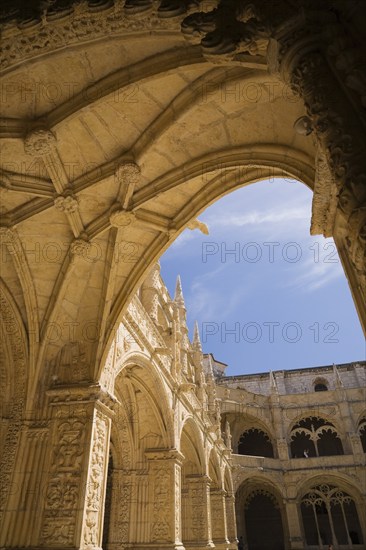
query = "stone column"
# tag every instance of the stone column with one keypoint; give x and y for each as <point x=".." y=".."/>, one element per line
<point x="231" y="519"/>
<point x="218" y="517"/>
<point x="341" y="138"/>
<point x="20" y="525"/>
<point x="164" y="502"/>
<point x="296" y="539"/>
<point x="74" y="494"/>
<point x="356" y="445"/>
<point x="282" y="449"/>
<point x="120" y="515"/>
<point x="198" y="512"/>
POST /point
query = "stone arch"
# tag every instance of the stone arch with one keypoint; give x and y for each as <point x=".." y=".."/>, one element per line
<point x="190" y="441"/>
<point x="139" y="376"/>
<point x="320" y="384"/>
<point x="332" y="512"/>
<point x="260" y="513"/>
<point x="141" y="424"/>
<point x="244" y="423"/>
<point x="14" y="355"/>
<point x="255" y="442"/>
<point x="314" y="436"/>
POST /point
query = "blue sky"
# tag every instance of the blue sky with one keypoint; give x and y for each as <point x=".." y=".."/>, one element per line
<point x="266" y="294"/>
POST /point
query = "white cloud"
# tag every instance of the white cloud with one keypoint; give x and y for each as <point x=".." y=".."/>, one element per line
<point x="320" y="268"/>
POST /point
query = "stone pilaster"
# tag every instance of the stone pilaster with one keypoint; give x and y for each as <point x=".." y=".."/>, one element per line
<point x="198" y="512"/>
<point x="164" y="503"/>
<point x="74" y="492"/>
<point x="218" y="517"/>
<point x="296" y="539"/>
<point x="231" y="519"/>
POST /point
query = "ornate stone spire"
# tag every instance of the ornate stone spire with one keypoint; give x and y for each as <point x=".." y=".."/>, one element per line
<point x="178" y="297"/>
<point x="196" y="344"/>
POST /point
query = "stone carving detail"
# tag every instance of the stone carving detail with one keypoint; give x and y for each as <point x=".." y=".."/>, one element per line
<point x="161" y="506"/>
<point x="123" y="505"/>
<point x="64" y="481"/>
<point x="121" y="218"/>
<point x="229" y="31"/>
<point x="338" y="136"/>
<point x="76" y="24"/>
<point x="12" y="328"/>
<point x="80" y="247"/>
<point x="68" y="204"/>
<point x="127" y="173"/>
<point x="324" y="199"/>
<point x="177" y="519"/>
<point x="39" y="142"/>
<point x="96" y="482"/>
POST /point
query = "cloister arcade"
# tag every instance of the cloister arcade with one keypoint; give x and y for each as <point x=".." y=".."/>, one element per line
<point x="121" y="121"/>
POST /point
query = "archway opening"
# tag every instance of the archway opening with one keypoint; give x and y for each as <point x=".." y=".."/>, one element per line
<point x="255" y="442"/>
<point x="314" y="436"/>
<point x="330" y="516"/>
<point x="262" y="288"/>
<point x="362" y="433"/>
<point x="263" y="521"/>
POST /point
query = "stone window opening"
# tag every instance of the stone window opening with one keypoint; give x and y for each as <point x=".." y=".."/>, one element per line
<point x="320" y="385"/>
<point x="329" y="516"/>
<point x="314" y="437"/>
<point x="255" y="442"/>
<point x="362" y="433"/>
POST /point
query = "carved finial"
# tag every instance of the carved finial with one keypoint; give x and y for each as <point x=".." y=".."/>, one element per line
<point x="196" y="338"/>
<point x="273" y="382"/>
<point x="178" y="297"/>
<point x="209" y="366"/>
<point x="338" y="379"/>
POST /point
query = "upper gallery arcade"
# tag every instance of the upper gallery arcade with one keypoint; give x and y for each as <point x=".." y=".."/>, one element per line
<point x="120" y="122"/>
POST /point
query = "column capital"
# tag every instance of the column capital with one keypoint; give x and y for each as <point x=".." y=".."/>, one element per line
<point x="80" y="394"/>
<point x="164" y="454"/>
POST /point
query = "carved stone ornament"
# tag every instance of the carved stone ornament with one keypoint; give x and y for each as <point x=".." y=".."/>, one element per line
<point x="80" y="247"/>
<point x="128" y="172"/>
<point x="39" y="142"/>
<point x="67" y="204"/>
<point x="121" y="218"/>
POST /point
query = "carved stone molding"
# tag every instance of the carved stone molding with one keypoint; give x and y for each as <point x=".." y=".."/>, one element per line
<point x="49" y="28"/>
<point x="324" y="203"/>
